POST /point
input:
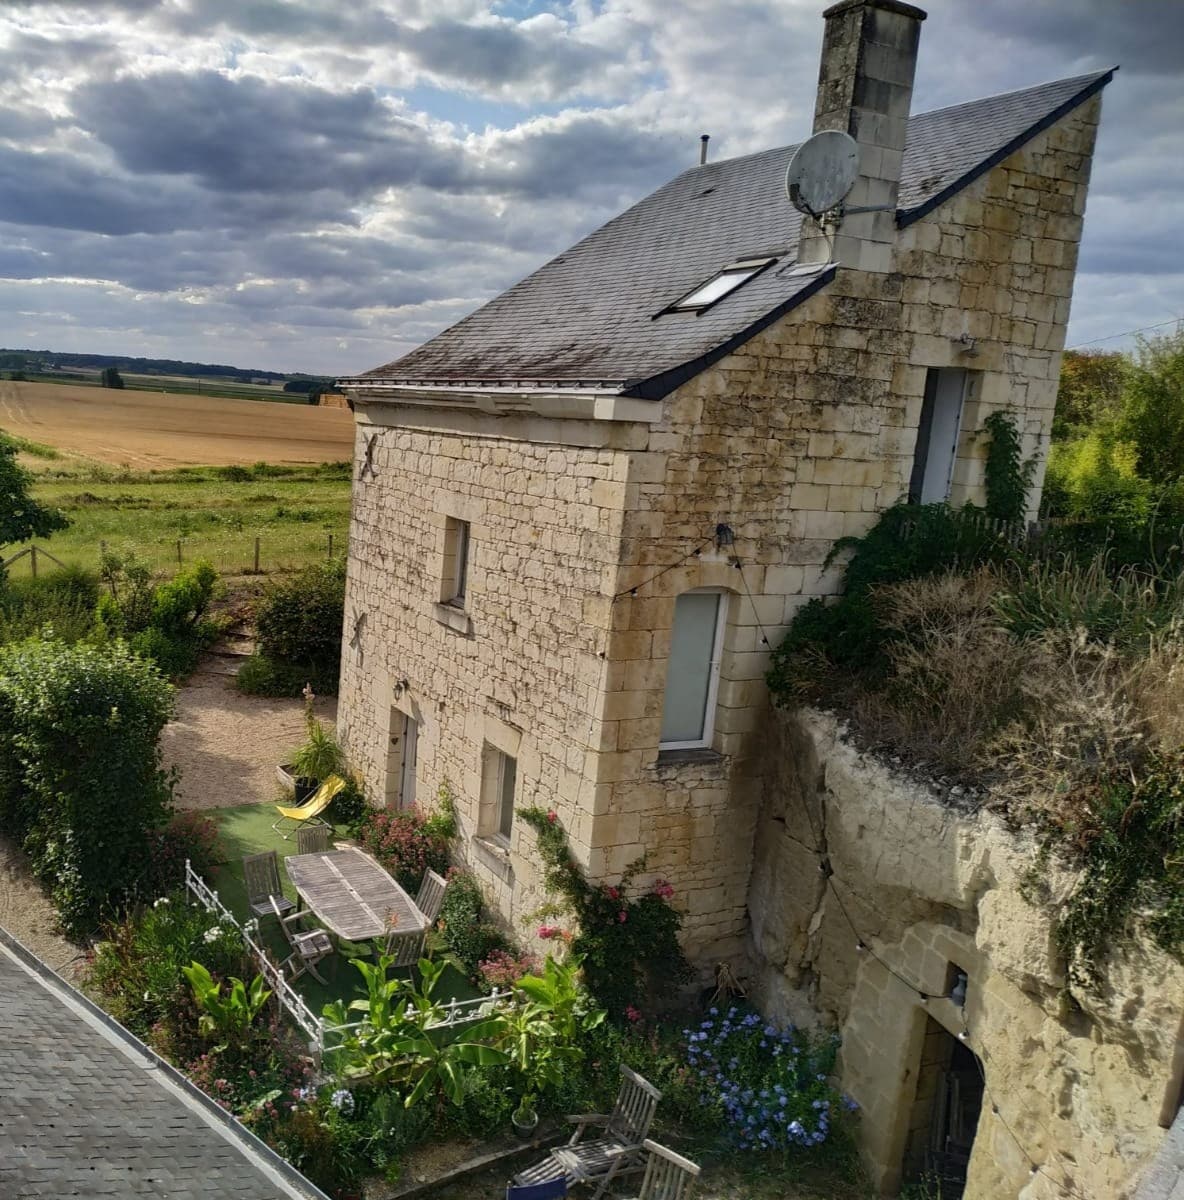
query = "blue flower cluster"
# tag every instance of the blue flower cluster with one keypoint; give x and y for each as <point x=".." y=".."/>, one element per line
<point x="770" y="1084"/>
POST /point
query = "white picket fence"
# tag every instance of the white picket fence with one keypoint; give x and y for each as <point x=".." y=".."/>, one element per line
<point x="320" y="1034"/>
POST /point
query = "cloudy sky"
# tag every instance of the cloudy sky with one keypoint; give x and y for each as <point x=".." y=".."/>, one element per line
<point x="320" y="185"/>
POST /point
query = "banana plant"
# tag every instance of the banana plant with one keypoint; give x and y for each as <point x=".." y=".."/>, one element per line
<point x="229" y="1017"/>
<point x="544" y="1030"/>
<point x="398" y="1041"/>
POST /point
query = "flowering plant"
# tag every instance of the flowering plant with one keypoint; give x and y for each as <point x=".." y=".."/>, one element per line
<point x="769" y="1084"/>
<point x="629" y="946"/>
<point x="407" y="844"/>
<point x="503" y="968"/>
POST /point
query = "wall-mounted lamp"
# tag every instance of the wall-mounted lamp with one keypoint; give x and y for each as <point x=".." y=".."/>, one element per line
<point x="401" y="686"/>
<point x="958" y="991"/>
<point x="724" y="536"/>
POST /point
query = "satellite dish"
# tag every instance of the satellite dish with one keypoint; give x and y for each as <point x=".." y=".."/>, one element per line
<point x="822" y="171"/>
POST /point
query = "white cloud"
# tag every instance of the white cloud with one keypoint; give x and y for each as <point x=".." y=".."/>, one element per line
<point x="304" y="184"/>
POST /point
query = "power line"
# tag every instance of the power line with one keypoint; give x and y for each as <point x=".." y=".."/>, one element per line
<point x="1127" y="333"/>
<point x="693" y="553"/>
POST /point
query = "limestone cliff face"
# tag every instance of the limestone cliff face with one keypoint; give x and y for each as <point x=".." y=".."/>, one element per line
<point x="1081" y="1080"/>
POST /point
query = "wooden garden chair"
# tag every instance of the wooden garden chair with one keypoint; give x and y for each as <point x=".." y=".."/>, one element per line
<point x="261" y="874"/>
<point x="298" y="816"/>
<point x="308" y="946"/>
<point x="312" y="839"/>
<point x="620" y="1148"/>
<point x="407" y="949"/>
<point x="668" y="1176"/>
<point x="549" y="1189"/>
<point x="430" y="898"/>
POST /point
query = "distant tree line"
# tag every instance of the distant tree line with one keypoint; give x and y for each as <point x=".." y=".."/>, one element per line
<point x="34" y="360"/>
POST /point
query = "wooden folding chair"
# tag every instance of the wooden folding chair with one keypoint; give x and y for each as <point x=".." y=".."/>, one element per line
<point x="308" y="946"/>
<point x="668" y="1176"/>
<point x="261" y="874"/>
<point x="618" y="1150"/>
<point x="430" y="898"/>
<point x="312" y="839"/>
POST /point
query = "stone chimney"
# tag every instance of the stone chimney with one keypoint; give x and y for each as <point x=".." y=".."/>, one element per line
<point x="865" y="86"/>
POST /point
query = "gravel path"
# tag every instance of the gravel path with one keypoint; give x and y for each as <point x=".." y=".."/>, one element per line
<point x="227" y="745"/>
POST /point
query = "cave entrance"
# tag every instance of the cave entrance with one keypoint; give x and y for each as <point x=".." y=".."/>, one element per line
<point x="945" y="1112"/>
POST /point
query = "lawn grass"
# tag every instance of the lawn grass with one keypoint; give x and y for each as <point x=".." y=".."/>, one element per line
<point x="246" y="829"/>
<point x="214" y="513"/>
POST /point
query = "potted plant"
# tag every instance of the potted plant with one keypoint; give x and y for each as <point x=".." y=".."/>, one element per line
<point x="319" y="757"/>
<point x="525" y="1117"/>
<point x="544" y="1030"/>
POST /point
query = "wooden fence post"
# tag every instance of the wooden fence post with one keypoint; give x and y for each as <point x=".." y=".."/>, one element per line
<point x="178" y="552"/>
<point x="33" y="559"/>
<point x="330" y="545"/>
<point x="256" y="556"/>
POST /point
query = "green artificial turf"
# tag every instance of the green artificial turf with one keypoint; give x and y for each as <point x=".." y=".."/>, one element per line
<point x="246" y="829"/>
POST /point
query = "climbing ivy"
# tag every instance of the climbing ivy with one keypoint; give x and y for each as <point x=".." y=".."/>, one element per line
<point x="1008" y="476"/>
<point x="629" y="945"/>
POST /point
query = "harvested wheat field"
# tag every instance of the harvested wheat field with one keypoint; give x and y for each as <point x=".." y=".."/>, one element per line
<point x="155" y="430"/>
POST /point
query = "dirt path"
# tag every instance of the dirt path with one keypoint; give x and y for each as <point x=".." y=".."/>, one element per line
<point x="227" y="745"/>
<point x="26" y="912"/>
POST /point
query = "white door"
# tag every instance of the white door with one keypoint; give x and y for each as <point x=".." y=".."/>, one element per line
<point x="400" y="760"/>
<point x="945" y="423"/>
<point x="410" y="745"/>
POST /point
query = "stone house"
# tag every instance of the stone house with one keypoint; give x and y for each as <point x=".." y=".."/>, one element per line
<point x="583" y="514"/>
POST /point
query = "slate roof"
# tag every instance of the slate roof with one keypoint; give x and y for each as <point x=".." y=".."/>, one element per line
<point x="86" y="1110"/>
<point x="589" y="315"/>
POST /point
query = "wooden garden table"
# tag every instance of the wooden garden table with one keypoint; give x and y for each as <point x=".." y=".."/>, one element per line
<point x="353" y="895"/>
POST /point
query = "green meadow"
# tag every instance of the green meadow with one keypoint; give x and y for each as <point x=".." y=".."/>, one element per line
<point x="187" y="513"/>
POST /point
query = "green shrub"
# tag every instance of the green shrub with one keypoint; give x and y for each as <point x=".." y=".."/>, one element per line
<point x="464" y="929"/>
<point x="1128" y="836"/>
<point x="81" y="783"/>
<point x="165" y="623"/>
<point x="349" y="807"/>
<point x="189" y="836"/>
<point x="404" y="844"/>
<point x="136" y="968"/>
<point x="299" y="623"/>
<point x="1095" y="477"/>
<point x="262" y="676"/>
<point x="846" y="638"/>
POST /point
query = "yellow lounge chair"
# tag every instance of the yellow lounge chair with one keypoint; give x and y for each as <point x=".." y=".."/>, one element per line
<point x="310" y="811"/>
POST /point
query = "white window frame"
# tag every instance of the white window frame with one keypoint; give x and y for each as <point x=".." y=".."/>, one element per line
<point x="458" y="536"/>
<point x="717" y="650"/>
<point x="494" y="802"/>
<point x="744" y="270"/>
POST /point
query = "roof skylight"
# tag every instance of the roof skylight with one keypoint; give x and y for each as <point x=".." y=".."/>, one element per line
<point x="721" y="285"/>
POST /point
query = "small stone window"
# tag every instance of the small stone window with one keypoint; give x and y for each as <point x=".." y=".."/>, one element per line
<point x="454" y="584"/>
<point x="499" y="775"/>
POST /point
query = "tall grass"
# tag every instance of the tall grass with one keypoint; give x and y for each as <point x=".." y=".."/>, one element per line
<point x="63" y="601"/>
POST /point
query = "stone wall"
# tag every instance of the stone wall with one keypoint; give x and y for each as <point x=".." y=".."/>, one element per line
<point x="798" y="438"/>
<point x="519" y="667"/>
<point x="1083" y="1081"/>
